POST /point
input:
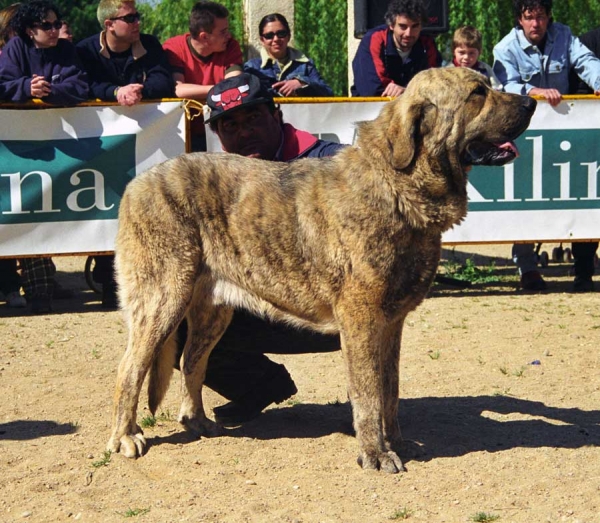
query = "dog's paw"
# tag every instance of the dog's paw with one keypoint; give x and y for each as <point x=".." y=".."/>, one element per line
<point x="130" y="445"/>
<point x="201" y="427"/>
<point x="385" y="461"/>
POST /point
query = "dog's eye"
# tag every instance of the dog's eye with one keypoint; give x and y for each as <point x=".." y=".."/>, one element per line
<point x="480" y="90"/>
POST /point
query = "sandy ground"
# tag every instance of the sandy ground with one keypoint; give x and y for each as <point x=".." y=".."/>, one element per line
<point x="499" y="395"/>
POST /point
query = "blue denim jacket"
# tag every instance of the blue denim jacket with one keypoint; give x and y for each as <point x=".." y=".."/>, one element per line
<point x="520" y="66"/>
<point x="299" y="66"/>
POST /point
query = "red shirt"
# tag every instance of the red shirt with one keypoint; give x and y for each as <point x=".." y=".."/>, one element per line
<point x="199" y="70"/>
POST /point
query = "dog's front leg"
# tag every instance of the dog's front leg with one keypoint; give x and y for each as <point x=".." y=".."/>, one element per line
<point x="390" y="362"/>
<point x="206" y="325"/>
<point x="364" y="337"/>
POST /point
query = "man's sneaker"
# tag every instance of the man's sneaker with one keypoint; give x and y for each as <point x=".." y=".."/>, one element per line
<point x="41" y="304"/>
<point x="582" y="284"/>
<point x="15" y="301"/>
<point x="533" y="281"/>
<point x="109" y="296"/>
<point x="274" y="389"/>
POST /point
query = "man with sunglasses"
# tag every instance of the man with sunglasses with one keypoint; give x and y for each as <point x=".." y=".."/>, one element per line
<point x="126" y="66"/>
<point x="203" y="57"/>
<point x="123" y="64"/>
<point x="390" y="55"/>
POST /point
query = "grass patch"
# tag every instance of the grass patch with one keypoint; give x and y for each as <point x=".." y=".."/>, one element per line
<point x="132" y="512"/>
<point x="484" y="517"/>
<point x="468" y="271"/>
<point x="102" y="462"/>
<point x="402" y="513"/>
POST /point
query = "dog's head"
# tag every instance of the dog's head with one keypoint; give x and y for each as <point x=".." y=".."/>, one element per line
<point x="451" y="119"/>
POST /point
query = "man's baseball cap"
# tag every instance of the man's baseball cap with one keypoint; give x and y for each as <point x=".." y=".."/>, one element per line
<point x="234" y="93"/>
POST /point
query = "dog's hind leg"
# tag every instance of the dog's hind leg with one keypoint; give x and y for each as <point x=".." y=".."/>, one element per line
<point x="153" y="311"/>
<point x="390" y="362"/>
<point x="206" y="324"/>
<point x="365" y="337"/>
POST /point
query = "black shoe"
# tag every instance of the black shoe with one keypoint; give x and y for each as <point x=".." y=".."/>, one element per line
<point x="41" y="305"/>
<point x="582" y="284"/>
<point x="275" y="389"/>
<point x="110" y="299"/>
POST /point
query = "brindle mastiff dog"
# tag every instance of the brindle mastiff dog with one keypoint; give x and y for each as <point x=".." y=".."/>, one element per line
<point x="348" y="244"/>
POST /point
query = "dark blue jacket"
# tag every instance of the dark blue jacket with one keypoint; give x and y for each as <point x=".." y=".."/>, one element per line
<point x="299" y="66"/>
<point x="59" y="65"/>
<point x="377" y="62"/>
<point x="147" y="65"/>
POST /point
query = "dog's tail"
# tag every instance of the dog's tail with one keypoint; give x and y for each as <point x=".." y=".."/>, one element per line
<point x="161" y="373"/>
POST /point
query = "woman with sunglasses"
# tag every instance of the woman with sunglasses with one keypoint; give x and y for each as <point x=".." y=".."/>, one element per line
<point x="36" y="63"/>
<point x="283" y="70"/>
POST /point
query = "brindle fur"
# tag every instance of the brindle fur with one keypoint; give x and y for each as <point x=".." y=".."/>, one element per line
<point x="348" y="244"/>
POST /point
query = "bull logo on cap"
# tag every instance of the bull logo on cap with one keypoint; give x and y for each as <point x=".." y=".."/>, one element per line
<point x="231" y="97"/>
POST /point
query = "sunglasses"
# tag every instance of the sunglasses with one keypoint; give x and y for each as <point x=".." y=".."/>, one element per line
<point x="279" y="34"/>
<point x="47" y="26"/>
<point x="129" y="19"/>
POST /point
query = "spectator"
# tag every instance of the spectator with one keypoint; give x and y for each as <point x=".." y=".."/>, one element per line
<point x="466" y="48"/>
<point x="65" y="31"/>
<point x="126" y="66"/>
<point x="6" y="30"/>
<point x="281" y="68"/>
<point x="36" y="64"/>
<point x="535" y="58"/>
<point x="10" y="284"/>
<point x="203" y="57"/>
<point x="584" y="252"/>
<point x="237" y="367"/>
<point x="390" y="55"/>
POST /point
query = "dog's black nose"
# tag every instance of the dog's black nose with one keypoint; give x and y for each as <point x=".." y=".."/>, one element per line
<point x="529" y="103"/>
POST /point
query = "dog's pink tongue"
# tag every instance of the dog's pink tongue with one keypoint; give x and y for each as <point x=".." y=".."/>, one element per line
<point x="509" y="146"/>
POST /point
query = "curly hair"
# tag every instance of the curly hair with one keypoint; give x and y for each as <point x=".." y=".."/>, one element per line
<point x="31" y="13"/>
<point x="520" y="6"/>
<point x="413" y="9"/>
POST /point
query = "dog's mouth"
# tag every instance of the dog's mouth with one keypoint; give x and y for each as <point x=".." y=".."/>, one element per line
<point x="486" y="153"/>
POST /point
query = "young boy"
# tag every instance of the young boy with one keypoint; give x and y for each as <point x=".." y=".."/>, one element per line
<point x="466" y="48"/>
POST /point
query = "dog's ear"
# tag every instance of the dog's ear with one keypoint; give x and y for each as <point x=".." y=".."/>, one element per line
<point x="402" y="132"/>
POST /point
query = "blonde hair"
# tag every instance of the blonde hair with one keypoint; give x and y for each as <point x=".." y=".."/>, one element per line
<point x="467" y="36"/>
<point x="109" y="8"/>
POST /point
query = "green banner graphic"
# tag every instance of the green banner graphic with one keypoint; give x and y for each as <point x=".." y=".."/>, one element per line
<point x="557" y="170"/>
<point x="64" y="180"/>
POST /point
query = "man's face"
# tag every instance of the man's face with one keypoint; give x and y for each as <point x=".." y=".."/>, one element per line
<point x="254" y="132"/>
<point x="406" y="32"/>
<point x="218" y="39"/>
<point x="125" y="27"/>
<point x="535" y="24"/>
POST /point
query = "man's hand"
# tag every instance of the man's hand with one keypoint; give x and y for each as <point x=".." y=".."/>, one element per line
<point x="393" y="90"/>
<point x="288" y="87"/>
<point x="39" y="86"/>
<point x="552" y="95"/>
<point x="130" y="94"/>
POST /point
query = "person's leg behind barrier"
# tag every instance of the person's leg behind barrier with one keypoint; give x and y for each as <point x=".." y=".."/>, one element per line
<point x="525" y="258"/>
<point x="583" y="265"/>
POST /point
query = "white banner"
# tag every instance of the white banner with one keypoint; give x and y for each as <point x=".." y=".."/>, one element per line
<point x="62" y="171"/>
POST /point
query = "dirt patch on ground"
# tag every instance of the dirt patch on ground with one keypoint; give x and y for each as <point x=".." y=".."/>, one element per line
<point x="499" y="395"/>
